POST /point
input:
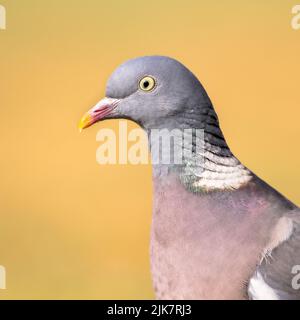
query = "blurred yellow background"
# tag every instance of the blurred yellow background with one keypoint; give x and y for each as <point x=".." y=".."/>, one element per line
<point x="70" y="228"/>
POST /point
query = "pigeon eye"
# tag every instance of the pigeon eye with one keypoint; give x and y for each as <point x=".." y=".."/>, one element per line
<point x="147" y="84"/>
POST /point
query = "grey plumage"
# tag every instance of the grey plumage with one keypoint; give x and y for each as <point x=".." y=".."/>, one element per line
<point x="277" y="269"/>
<point x="218" y="231"/>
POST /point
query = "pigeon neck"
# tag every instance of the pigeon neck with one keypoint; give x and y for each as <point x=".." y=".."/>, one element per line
<point x="207" y="162"/>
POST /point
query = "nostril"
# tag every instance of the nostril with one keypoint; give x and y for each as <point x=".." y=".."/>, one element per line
<point x="101" y="110"/>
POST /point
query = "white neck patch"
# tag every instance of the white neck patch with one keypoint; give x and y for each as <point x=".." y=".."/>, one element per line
<point x="219" y="172"/>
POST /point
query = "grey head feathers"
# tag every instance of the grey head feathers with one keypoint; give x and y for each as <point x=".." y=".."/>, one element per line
<point x="177" y="91"/>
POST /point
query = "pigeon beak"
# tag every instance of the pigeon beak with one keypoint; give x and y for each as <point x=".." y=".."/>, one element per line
<point x="100" y="111"/>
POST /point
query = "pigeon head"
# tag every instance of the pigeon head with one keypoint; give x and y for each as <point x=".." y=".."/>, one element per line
<point x="153" y="91"/>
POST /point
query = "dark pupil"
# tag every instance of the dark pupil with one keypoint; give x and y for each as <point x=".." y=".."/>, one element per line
<point x="146" y="84"/>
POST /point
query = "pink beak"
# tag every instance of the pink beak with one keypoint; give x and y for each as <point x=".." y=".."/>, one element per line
<point x="101" y="110"/>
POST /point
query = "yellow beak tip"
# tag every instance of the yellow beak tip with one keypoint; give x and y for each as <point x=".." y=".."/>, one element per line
<point x="84" y="122"/>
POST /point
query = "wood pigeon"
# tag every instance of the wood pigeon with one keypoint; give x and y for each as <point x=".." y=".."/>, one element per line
<point x="218" y="230"/>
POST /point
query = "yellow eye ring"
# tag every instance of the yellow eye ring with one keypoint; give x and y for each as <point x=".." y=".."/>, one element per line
<point x="147" y="84"/>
